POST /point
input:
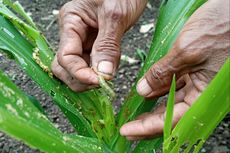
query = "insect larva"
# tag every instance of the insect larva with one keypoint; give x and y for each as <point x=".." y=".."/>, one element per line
<point x="111" y="94"/>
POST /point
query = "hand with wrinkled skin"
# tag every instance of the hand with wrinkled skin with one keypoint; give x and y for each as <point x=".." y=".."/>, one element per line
<point x="200" y="50"/>
<point x="91" y="31"/>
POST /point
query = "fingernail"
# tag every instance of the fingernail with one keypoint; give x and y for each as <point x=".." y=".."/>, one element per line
<point x="123" y="131"/>
<point x="105" y="67"/>
<point x="143" y="88"/>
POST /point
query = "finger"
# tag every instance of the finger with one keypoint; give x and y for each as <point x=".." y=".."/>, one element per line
<point x="63" y="75"/>
<point x="180" y="82"/>
<point x="70" y="54"/>
<point x="192" y="90"/>
<point x="152" y="126"/>
<point x="134" y="138"/>
<point x="185" y="56"/>
<point x="190" y="53"/>
<point x="106" y="49"/>
<point x="144" y="115"/>
<point x="180" y="95"/>
<point x="86" y="58"/>
<point x="156" y="82"/>
<point x="147" y="126"/>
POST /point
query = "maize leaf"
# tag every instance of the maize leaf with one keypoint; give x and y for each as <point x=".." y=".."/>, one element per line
<point x="203" y="116"/>
<point x="169" y="109"/>
<point x="167" y="29"/>
<point x="148" y="146"/>
<point x="22" y="120"/>
<point x="15" y="44"/>
<point x="90" y="112"/>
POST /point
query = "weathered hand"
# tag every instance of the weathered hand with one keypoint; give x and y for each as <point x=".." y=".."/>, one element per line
<point x="91" y="31"/>
<point x="200" y="50"/>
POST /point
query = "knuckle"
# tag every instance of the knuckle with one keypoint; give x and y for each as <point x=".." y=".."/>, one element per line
<point x="74" y="88"/>
<point x="54" y="69"/>
<point x="191" y="52"/>
<point x="73" y="25"/>
<point x="68" y="26"/>
<point x="64" y="9"/>
<point x="54" y="65"/>
<point x="116" y="15"/>
<point x="69" y="12"/>
<point x="74" y="18"/>
<point x="63" y="12"/>
<point x="108" y="47"/>
<point x="115" y="12"/>
<point x="156" y="73"/>
<point x="61" y="59"/>
<point x="183" y="44"/>
<point x="159" y="75"/>
<point x="66" y="53"/>
<point x="57" y="71"/>
<point x="70" y="20"/>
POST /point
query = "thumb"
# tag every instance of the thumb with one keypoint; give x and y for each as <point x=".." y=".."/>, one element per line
<point x="157" y="80"/>
<point x="105" y="54"/>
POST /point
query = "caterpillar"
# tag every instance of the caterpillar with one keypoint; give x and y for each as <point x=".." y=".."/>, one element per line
<point x="104" y="85"/>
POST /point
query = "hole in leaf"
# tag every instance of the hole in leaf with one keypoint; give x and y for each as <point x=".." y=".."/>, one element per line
<point x="173" y="143"/>
<point x="52" y="93"/>
<point x="197" y="145"/>
<point x="183" y="147"/>
<point x="7" y="53"/>
<point x="173" y="139"/>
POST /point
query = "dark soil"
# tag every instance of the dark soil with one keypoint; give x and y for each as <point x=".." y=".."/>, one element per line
<point x="41" y="11"/>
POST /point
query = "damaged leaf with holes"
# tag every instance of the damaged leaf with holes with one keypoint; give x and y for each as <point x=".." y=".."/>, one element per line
<point x="31" y="50"/>
<point x="91" y="113"/>
<point x="16" y="108"/>
<point x="204" y="115"/>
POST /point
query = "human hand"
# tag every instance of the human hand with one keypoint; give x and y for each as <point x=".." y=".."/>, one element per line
<point x="200" y="50"/>
<point x="91" y="32"/>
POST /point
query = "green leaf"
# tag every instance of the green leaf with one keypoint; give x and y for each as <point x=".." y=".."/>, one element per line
<point x="22" y="50"/>
<point x="36" y="104"/>
<point x="169" y="110"/>
<point x="22" y="120"/>
<point x="106" y="88"/>
<point x="148" y="146"/>
<point x="155" y="144"/>
<point x="204" y="115"/>
<point x="16" y="6"/>
<point x="90" y="113"/>
<point x="141" y="54"/>
<point x="167" y="29"/>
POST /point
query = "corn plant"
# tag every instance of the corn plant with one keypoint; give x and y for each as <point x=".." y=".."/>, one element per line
<point x="91" y="112"/>
<point x="199" y="122"/>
